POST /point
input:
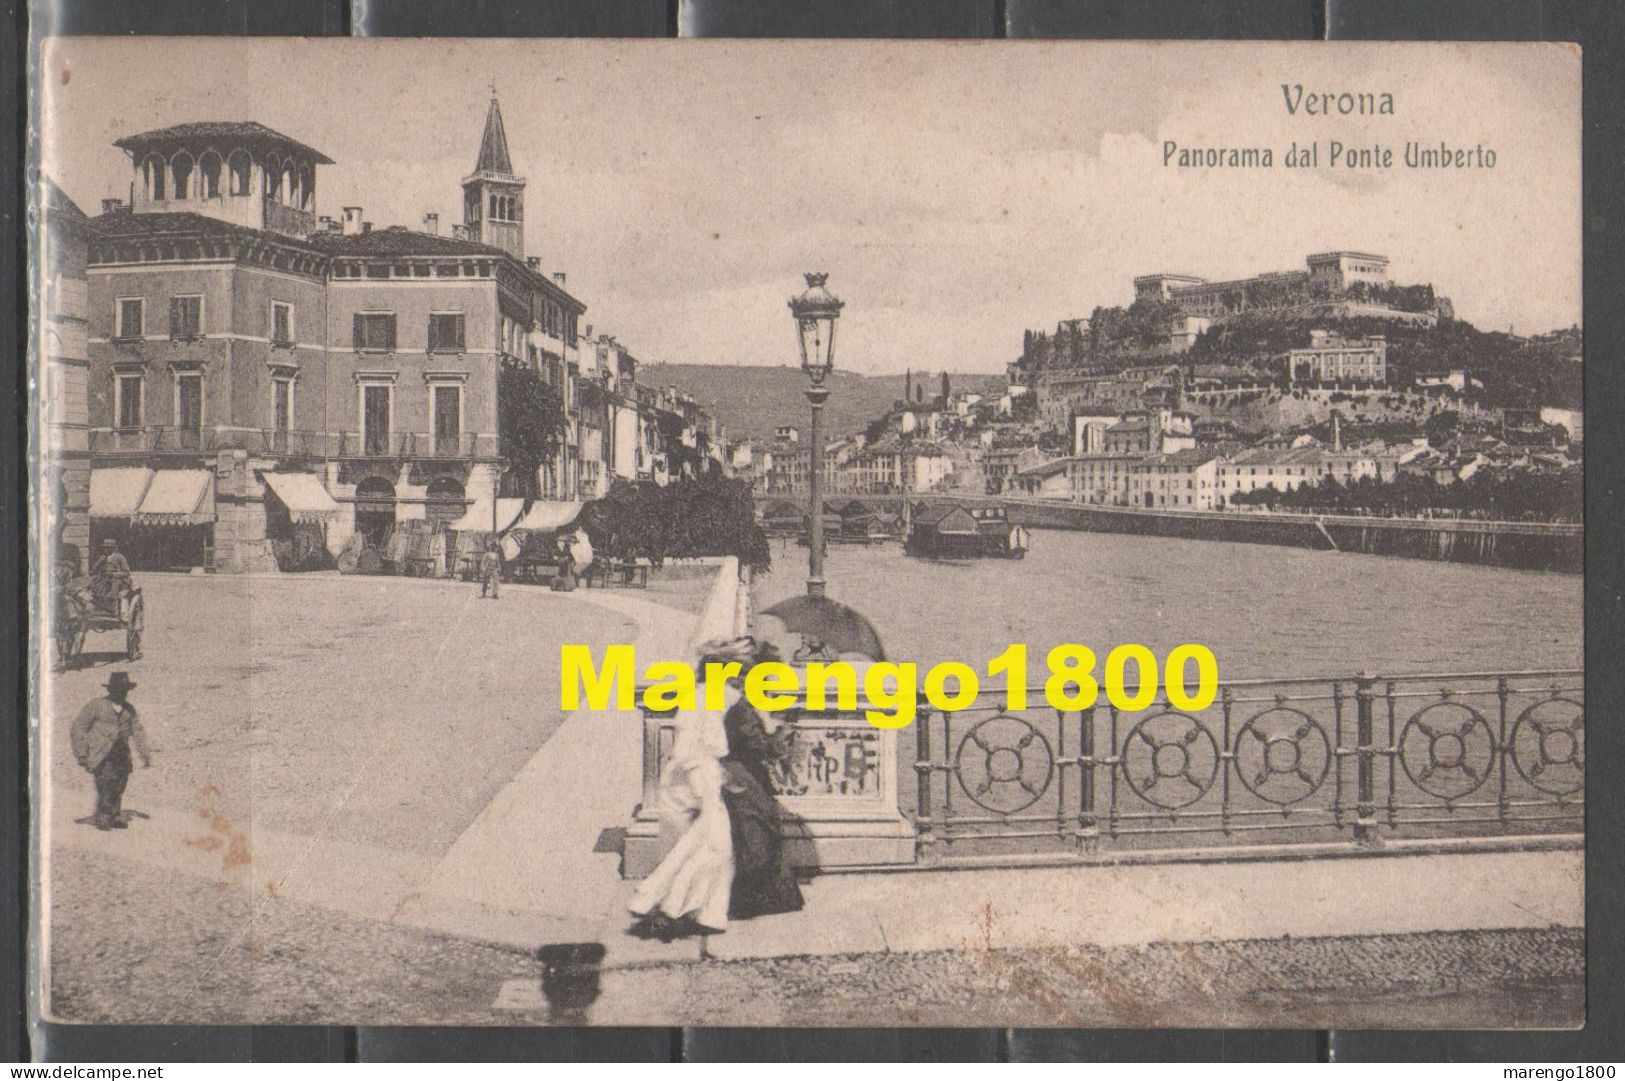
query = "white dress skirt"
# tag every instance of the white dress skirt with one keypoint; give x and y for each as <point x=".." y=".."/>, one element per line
<point x="696" y="877"/>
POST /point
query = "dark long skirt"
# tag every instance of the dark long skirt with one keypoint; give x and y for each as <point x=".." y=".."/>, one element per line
<point x="763" y="882"/>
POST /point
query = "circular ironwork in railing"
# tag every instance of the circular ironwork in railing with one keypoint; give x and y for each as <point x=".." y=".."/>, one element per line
<point x="1543" y="747"/>
<point x="1004" y="764"/>
<point x="1287" y="758"/>
<point x="1170" y="747"/>
<point x="1447" y="749"/>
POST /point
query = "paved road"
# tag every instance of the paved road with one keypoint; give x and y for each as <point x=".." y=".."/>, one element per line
<point x="384" y="712"/>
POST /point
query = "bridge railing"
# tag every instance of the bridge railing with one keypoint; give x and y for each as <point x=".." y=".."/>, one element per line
<point x="1353" y="759"/>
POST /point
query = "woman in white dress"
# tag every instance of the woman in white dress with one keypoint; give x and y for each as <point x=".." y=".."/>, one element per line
<point x="688" y="892"/>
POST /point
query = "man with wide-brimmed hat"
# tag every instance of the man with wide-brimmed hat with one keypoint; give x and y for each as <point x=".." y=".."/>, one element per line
<point x="110" y="577"/>
<point x="101" y="739"/>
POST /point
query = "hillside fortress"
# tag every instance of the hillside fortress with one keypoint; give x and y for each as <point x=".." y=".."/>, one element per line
<point x="1333" y="272"/>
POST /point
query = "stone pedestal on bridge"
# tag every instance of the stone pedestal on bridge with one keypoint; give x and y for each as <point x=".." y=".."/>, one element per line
<point x="838" y="789"/>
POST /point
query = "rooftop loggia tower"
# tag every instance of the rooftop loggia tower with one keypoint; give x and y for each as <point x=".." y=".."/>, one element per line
<point x="237" y="171"/>
<point x="493" y="197"/>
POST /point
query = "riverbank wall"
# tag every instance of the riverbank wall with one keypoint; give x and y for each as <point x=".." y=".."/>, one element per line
<point x="1519" y="545"/>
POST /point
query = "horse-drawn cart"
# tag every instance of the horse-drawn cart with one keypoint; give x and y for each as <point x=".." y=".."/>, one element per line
<point x="78" y="615"/>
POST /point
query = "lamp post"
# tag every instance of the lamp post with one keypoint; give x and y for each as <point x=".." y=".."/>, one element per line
<point x="816" y="311"/>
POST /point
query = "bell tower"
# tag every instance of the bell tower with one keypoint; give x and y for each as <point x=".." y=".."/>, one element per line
<point x="493" y="197"/>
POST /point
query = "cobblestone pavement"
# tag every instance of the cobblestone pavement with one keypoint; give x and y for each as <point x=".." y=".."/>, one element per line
<point x="169" y="951"/>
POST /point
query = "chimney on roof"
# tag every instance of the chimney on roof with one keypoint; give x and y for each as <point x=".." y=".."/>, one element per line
<point x="352" y="220"/>
<point x="459" y="231"/>
<point x="112" y="206"/>
<point x="431" y="224"/>
<point x="558" y="276"/>
<point x="366" y="227"/>
<point x="534" y="262"/>
<point x="589" y="330"/>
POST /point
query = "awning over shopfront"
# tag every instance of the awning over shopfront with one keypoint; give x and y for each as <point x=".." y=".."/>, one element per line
<point x="478" y="517"/>
<point x="116" y="493"/>
<point x="178" y="497"/>
<point x="303" y="495"/>
<point x="548" y="516"/>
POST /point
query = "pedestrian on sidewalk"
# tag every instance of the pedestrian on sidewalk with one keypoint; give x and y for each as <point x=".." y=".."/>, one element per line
<point x="101" y="739"/>
<point x="491" y="570"/>
<point x="564" y="580"/>
<point x="688" y="893"/>
<point x="764" y="883"/>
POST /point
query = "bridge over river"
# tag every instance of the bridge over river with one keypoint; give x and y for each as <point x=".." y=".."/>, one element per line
<point x="1551" y="546"/>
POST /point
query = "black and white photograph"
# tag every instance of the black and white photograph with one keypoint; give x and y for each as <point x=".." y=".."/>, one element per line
<point x="1180" y="446"/>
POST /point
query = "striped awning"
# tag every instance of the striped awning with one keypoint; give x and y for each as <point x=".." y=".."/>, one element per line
<point x="303" y="495"/>
<point x="178" y="497"/>
<point x="549" y="515"/>
<point x="116" y="493"/>
<point x="477" y="519"/>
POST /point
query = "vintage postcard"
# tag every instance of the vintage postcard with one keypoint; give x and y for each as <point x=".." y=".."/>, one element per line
<point x="809" y="533"/>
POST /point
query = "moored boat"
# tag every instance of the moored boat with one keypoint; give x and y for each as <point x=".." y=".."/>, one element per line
<point x="953" y="531"/>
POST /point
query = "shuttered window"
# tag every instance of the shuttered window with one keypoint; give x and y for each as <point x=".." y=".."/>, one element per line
<point x="130" y="310"/>
<point x="128" y="389"/>
<point x="375" y="332"/>
<point x="281" y="323"/>
<point x="445" y="333"/>
<point x="189" y="405"/>
<point x="186" y="317"/>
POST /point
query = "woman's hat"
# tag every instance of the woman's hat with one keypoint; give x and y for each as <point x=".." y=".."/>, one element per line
<point x="119" y="681"/>
<point x="728" y="650"/>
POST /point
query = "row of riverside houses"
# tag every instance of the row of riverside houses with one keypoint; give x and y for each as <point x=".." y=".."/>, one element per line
<point x="1152" y="458"/>
<point x="243" y="383"/>
<point x="901" y="453"/>
<point x="892" y="464"/>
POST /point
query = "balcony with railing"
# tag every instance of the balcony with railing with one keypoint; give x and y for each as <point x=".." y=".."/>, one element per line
<point x="291" y="443"/>
<point x="296" y="444"/>
<point x="443" y="445"/>
<point x="414" y="445"/>
<point x="155" y="439"/>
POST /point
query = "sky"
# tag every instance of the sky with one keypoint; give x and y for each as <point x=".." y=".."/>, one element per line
<point x="957" y="193"/>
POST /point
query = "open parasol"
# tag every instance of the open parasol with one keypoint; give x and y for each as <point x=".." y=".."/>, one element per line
<point x="827" y="628"/>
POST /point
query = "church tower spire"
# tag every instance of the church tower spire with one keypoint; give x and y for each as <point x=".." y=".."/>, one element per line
<point x="493" y="197"/>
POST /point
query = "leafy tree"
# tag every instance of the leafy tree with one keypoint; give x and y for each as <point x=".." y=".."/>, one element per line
<point x="530" y="425"/>
<point x="706" y="515"/>
<point x="1495" y="494"/>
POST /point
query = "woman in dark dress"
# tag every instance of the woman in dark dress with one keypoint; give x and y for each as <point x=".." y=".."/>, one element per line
<point x="763" y="883"/>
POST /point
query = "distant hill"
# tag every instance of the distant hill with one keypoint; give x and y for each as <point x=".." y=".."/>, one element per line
<point x="752" y="400"/>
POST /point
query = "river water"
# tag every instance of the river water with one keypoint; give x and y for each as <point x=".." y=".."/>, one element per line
<point x="1265" y="611"/>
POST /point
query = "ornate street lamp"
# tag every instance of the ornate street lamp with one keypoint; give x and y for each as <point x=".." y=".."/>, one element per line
<point x="816" y="311"/>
